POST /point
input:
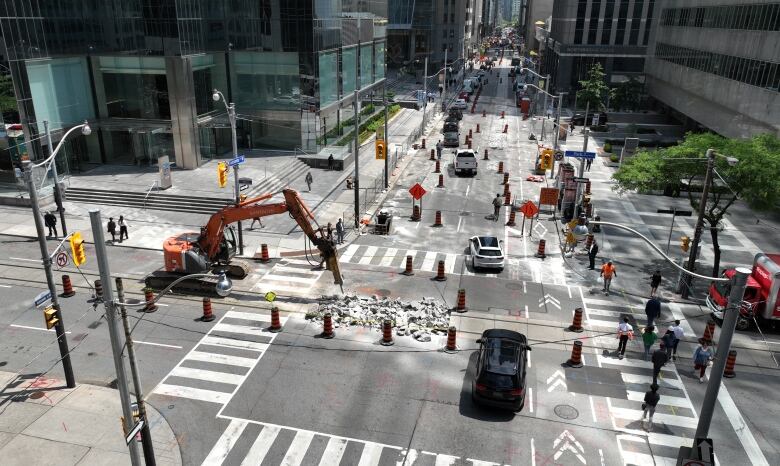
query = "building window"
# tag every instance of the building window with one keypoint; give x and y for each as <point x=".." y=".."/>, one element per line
<point x="648" y="22"/>
<point x="579" y="25"/>
<point x="755" y="17"/>
<point x="636" y="22"/>
<point x="445" y="18"/>
<point x="606" y="30"/>
<point x="620" y="33"/>
<point x="593" y="28"/>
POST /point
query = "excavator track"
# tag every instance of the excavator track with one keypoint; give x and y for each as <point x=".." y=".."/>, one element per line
<point x="204" y="286"/>
<point x="237" y="269"/>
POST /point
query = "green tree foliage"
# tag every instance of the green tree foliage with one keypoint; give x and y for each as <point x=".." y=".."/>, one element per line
<point x="594" y="89"/>
<point x="755" y="179"/>
<point x="626" y="95"/>
<point x="7" y="97"/>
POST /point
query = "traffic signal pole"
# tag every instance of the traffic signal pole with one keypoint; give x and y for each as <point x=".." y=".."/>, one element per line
<point x="232" y="117"/>
<point x="59" y="327"/>
<point x="686" y="284"/>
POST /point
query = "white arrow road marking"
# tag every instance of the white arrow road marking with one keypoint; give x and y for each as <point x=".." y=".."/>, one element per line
<point x="558" y="378"/>
<point x="570" y="445"/>
<point x="549" y="299"/>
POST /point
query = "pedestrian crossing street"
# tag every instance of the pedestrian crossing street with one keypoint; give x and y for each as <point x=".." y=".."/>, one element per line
<point x="675" y="419"/>
<point x="250" y="443"/>
<point x="217" y="366"/>
<point x="604" y="313"/>
<point x="423" y="261"/>
<point x="290" y="277"/>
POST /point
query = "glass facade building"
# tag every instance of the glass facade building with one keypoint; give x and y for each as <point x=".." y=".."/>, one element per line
<point x="142" y="72"/>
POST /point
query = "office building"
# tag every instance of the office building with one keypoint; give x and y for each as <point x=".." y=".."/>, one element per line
<point x="142" y="73"/>
<point x="614" y="33"/>
<point x="716" y="65"/>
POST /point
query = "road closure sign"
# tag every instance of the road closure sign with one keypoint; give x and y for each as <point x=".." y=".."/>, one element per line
<point x="548" y="196"/>
<point x="417" y="191"/>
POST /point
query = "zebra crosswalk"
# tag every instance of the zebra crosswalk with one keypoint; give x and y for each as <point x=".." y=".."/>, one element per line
<point x="423" y="261"/>
<point x="289" y="277"/>
<point x="216" y="367"/>
<point x="245" y="443"/>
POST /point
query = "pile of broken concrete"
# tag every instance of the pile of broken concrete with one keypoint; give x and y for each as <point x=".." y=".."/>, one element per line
<point x="419" y="319"/>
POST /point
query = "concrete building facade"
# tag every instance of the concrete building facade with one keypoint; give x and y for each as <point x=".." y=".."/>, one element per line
<point x="716" y="65"/>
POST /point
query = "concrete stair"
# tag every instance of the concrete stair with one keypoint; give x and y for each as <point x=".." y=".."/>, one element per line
<point x="155" y="201"/>
<point x="279" y="179"/>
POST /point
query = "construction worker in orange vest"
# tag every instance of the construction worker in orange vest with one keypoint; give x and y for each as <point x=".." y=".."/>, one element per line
<point x="607" y="271"/>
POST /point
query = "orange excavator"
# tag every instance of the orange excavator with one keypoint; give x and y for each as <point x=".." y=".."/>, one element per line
<point x="214" y="248"/>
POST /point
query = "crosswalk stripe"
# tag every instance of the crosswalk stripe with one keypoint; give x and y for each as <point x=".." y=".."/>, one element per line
<point x="628" y="362"/>
<point x="666" y="400"/>
<point x="203" y="374"/>
<point x="351" y="249"/>
<point x="298" y="448"/>
<point x="244" y="329"/>
<point x="648" y="379"/>
<point x="449" y="262"/>
<point x="670" y="419"/>
<point x="282" y="289"/>
<point x="632" y="457"/>
<point x="288" y="278"/>
<point x="233" y="343"/>
<point x="430" y="259"/>
<point x="248" y="316"/>
<point x="446" y="460"/>
<point x="193" y="393"/>
<point x="221" y="359"/>
<point x="371" y="454"/>
<point x="333" y="452"/>
<point x="261" y="446"/>
<point x="281" y="270"/>
<point x="368" y="255"/>
<point x="600" y="323"/>
<point x="604" y="312"/>
<point x="654" y="438"/>
<point x="387" y="260"/>
<point x="225" y="443"/>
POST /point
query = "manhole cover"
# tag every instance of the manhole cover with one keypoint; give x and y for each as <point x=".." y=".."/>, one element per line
<point x="566" y="412"/>
<point x="36" y="395"/>
<point x="514" y="286"/>
<point x="464" y="214"/>
<point x="382" y="292"/>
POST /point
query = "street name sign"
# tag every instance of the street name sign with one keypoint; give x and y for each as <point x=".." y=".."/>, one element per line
<point x="236" y="161"/>
<point x="134" y="431"/>
<point x="580" y="155"/>
<point x="417" y="191"/>
<point x="577" y="179"/>
<point x="42" y="297"/>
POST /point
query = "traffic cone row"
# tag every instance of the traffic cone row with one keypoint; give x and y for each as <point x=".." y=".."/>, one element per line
<point x="511" y="221"/>
<point x="540" y="251"/>
<point x="500" y="167"/>
<point x="408" y="270"/>
<point x="452" y="345"/>
<point x="576" y="324"/>
<point x="576" y="355"/>
<point x="441" y="181"/>
<point x="461" y="305"/>
<point x="507" y="197"/>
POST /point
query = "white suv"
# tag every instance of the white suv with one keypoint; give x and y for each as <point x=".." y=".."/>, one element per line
<point x="466" y="161"/>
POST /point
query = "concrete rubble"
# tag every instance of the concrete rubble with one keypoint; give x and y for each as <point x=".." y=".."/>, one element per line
<point x="419" y="319"/>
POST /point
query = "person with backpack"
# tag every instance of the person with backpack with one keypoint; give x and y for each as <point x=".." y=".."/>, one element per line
<point x="648" y="406"/>
<point x="652" y="310"/>
<point x="649" y="338"/>
<point x="659" y="359"/>
<point x="497" y="203"/>
<point x="625" y="332"/>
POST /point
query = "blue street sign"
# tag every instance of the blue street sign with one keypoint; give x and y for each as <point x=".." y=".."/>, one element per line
<point x="236" y="161"/>
<point x="42" y="297"/>
<point x="580" y="155"/>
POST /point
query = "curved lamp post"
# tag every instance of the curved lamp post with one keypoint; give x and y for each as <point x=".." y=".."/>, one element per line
<point x="231" y="110"/>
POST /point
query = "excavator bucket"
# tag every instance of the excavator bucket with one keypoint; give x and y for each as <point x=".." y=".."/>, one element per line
<point x="333" y="266"/>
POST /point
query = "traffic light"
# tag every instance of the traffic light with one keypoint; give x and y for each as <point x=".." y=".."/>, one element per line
<point x="379" y="146"/>
<point x="222" y="170"/>
<point x="685" y="243"/>
<point x="50" y="316"/>
<point x="77" y="249"/>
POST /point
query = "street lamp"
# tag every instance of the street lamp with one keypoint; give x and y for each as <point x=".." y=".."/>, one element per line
<point x="231" y="110"/>
<point x="86" y="131"/>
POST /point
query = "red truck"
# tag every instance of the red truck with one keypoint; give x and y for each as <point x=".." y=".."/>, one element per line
<point x="762" y="293"/>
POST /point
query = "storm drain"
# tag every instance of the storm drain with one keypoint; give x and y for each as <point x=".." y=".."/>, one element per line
<point x="567" y="412"/>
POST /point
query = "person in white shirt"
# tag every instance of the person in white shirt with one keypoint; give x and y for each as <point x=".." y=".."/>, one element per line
<point x="678" y="335"/>
<point x="625" y="331"/>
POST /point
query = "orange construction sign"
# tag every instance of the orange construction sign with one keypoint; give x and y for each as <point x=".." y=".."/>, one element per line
<point x="548" y="196"/>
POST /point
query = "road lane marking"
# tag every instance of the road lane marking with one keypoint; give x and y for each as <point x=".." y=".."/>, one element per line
<point x="370" y="455"/>
<point x="531" y="399"/>
<point x="5" y="286"/>
<point x="349" y="253"/>
<point x="460" y="223"/>
<point x="449" y="262"/>
<point x="209" y="376"/>
<point x="430" y="259"/>
<point x="261" y="446"/>
<point x="333" y="452"/>
<point x="221" y="359"/>
<point x="192" y="393"/>
<point x="297" y="449"/>
<point x="368" y="256"/>
<point x="740" y="427"/>
<point x="226" y="442"/>
<point x="533" y="452"/>
<point x="35" y="328"/>
<point x="387" y="260"/>
<point x="592" y="410"/>
<point x="257" y="331"/>
<point x="249" y="316"/>
<point x="156" y="344"/>
<point x="23" y="259"/>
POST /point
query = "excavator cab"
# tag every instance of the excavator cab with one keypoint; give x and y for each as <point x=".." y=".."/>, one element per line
<point x="227" y="248"/>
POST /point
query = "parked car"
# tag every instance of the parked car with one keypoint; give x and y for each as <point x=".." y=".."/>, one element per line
<point x="460" y="104"/>
<point x="499" y="379"/>
<point x="466" y="161"/>
<point x="486" y="251"/>
<point x="579" y="118"/>
<point x="455" y="113"/>
<point x="451" y="133"/>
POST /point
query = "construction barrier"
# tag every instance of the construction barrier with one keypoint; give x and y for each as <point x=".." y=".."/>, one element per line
<point x="540" y="251"/>
<point x="276" y="323"/>
<point x="470" y="134"/>
<point x="511" y="221"/>
<point x="576" y="324"/>
<point x="67" y="287"/>
<point x="461" y="305"/>
<point x="264" y="253"/>
<point x="387" y="333"/>
<point x="506" y="178"/>
<point x="576" y="355"/>
<point x="327" y="326"/>
<point x="408" y="270"/>
<point x="433" y="154"/>
<point x="500" y="167"/>
<point x="437" y="222"/>
<point x="709" y="331"/>
<point x="207" y="316"/>
<point x="452" y="344"/>
<point x="416" y="213"/>
<point x="437" y="167"/>
<point x="477" y="128"/>
<point x="441" y="181"/>
<point x="730" y="362"/>
<point x="486" y="155"/>
<point x="423" y="143"/>
<point x="440" y="272"/>
<point x="148" y="298"/>
<point x="507" y="196"/>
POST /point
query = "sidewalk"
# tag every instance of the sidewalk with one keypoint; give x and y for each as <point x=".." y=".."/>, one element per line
<point x="329" y="199"/>
<point x="48" y="424"/>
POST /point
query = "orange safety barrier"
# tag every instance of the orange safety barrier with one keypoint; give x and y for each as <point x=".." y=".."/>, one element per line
<point x="67" y="287"/>
<point x="576" y="355"/>
<point x="207" y="316"/>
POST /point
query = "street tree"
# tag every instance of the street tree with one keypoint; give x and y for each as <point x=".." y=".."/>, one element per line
<point x="626" y="95"/>
<point x="594" y="88"/>
<point x="755" y="179"/>
<point x="7" y="96"/>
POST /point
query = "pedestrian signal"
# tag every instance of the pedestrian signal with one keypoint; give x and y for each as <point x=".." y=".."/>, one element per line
<point x="546" y="160"/>
<point x="222" y="169"/>
<point x="685" y="243"/>
<point x="77" y="249"/>
<point x="50" y="316"/>
<point x="379" y="146"/>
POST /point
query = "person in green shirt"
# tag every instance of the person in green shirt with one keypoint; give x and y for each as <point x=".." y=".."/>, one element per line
<point x="649" y="337"/>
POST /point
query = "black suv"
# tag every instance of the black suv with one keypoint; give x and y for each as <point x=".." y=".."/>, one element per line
<point x="579" y="119"/>
<point x="455" y="113"/>
<point x="501" y="365"/>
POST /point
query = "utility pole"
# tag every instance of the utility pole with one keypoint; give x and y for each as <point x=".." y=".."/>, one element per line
<point x="57" y="192"/>
<point x="546" y="93"/>
<point x="146" y="435"/>
<point x="444" y="94"/>
<point x="557" y="130"/>
<point x="686" y="284"/>
<point x="387" y="135"/>
<point x="113" y="331"/>
<point x="425" y="95"/>
<point x="357" y="157"/>
<point x="59" y="327"/>
<point x="232" y="117"/>
<point x="582" y="167"/>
